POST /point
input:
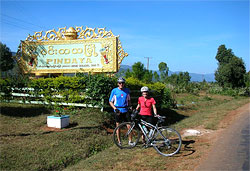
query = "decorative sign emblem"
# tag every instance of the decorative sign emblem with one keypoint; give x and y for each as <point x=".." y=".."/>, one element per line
<point x="66" y="51"/>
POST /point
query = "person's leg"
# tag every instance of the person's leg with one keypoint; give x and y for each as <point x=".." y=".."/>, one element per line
<point x="118" y="133"/>
<point x="127" y="119"/>
<point x="143" y="137"/>
<point x="148" y="119"/>
<point x="117" y="122"/>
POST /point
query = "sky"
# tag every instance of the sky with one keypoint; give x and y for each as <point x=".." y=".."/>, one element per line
<point x="184" y="34"/>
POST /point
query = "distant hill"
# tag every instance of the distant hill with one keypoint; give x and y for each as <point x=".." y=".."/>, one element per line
<point x="194" y="76"/>
<point x="199" y="77"/>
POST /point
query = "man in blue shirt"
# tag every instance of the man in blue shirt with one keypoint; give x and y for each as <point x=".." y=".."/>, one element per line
<point x="120" y="101"/>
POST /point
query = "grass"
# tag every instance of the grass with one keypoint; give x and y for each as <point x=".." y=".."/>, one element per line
<point x="26" y="144"/>
<point x="207" y="111"/>
<point x="211" y="113"/>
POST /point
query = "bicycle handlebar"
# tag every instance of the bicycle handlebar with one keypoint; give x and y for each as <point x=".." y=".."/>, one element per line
<point x="160" y="117"/>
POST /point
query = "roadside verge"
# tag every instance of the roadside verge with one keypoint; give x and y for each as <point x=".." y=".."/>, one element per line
<point x="193" y="149"/>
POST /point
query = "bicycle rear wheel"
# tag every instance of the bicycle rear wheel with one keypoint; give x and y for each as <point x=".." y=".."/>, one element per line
<point x="168" y="142"/>
<point x="125" y="132"/>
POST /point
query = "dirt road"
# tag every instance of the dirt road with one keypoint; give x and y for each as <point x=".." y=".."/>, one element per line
<point x="231" y="149"/>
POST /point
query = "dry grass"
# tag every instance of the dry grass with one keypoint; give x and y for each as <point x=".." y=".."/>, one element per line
<point x="26" y="145"/>
<point x="147" y="159"/>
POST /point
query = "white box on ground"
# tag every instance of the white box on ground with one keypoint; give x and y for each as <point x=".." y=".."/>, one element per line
<point x="58" y="121"/>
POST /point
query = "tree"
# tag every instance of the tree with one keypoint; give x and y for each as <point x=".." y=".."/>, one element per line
<point x="128" y="74"/>
<point x="173" y="79"/>
<point x="231" y="69"/>
<point x="6" y="60"/>
<point x="186" y="77"/>
<point x="247" y="79"/>
<point x="148" y="76"/>
<point x="163" y="68"/>
<point x="182" y="78"/>
<point x="223" y="54"/>
<point x="156" y="76"/>
<point x="138" y="70"/>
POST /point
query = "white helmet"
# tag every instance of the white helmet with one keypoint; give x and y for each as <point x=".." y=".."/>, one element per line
<point x="144" y="89"/>
<point x="121" y="80"/>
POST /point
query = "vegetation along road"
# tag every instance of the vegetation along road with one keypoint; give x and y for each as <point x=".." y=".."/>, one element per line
<point x="231" y="150"/>
<point x="210" y="120"/>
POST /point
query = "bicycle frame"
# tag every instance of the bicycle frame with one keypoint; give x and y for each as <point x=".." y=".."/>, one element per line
<point x="154" y="127"/>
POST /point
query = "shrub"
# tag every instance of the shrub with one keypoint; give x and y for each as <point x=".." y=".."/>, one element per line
<point x="216" y="89"/>
<point x="167" y="100"/>
<point x="5" y="88"/>
<point x="133" y="83"/>
<point x="98" y="87"/>
<point x="88" y="89"/>
<point x="158" y="90"/>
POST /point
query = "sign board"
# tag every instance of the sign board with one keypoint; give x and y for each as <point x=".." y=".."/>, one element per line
<point x="67" y="52"/>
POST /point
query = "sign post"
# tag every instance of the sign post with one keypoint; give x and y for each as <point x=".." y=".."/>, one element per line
<point x="71" y="51"/>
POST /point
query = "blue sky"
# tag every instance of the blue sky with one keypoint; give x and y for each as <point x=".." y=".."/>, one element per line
<point x="184" y="34"/>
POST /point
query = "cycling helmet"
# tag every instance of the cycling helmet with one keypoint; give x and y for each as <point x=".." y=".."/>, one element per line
<point x="121" y="80"/>
<point x="144" y="89"/>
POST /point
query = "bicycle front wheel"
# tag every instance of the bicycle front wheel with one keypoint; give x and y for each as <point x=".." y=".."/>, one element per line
<point x="167" y="141"/>
<point x="126" y="135"/>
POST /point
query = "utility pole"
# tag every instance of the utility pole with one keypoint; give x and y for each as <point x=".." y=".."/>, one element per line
<point x="148" y="62"/>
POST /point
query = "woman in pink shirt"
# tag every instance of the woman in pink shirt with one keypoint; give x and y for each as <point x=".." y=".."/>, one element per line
<point x="145" y="102"/>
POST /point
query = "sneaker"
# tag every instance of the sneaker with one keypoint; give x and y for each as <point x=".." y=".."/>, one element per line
<point x="131" y="143"/>
<point x="120" y="144"/>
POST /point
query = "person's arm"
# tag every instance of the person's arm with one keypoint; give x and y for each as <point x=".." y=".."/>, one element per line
<point x="155" y="110"/>
<point x="129" y="99"/>
<point x="112" y="105"/>
<point x="129" y="102"/>
<point x="138" y="106"/>
<point x="111" y="100"/>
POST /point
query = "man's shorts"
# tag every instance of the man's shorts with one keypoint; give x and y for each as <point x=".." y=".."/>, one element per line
<point x="122" y="117"/>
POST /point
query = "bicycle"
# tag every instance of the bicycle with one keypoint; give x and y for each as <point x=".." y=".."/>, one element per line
<point x="166" y="141"/>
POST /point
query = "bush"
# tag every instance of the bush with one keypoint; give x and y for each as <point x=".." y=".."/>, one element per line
<point x="158" y="90"/>
<point x="5" y="88"/>
<point x="133" y="83"/>
<point x="168" y="101"/>
<point x="216" y="89"/>
<point x="59" y="89"/>
<point x="98" y="87"/>
<point x="88" y="89"/>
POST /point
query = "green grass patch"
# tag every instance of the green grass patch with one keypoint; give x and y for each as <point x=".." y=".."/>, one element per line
<point x="26" y="144"/>
<point x="211" y="114"/>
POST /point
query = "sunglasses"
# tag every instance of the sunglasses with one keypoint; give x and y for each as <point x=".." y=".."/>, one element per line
<point x="121" y="83"/>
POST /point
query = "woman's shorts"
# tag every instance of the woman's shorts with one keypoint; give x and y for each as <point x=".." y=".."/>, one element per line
<point x="147" y="118"/>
